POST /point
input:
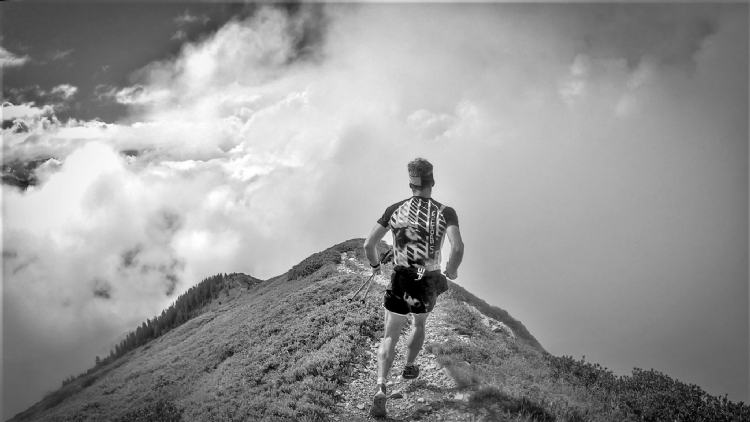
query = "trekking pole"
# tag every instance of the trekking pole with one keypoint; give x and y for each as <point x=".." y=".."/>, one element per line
<point x="361" y="287"/>
<point x="368" y="289"/>
<point x="386" y="257"/>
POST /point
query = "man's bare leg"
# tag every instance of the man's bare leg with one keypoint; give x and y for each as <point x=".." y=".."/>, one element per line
<point x="416" y="338"/>
<point x="387" y="350"/>
<point x="386" y="354"/>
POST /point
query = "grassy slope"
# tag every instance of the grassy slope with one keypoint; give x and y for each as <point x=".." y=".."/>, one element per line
<point x="281" y="349"/>
<point x="277" y="351"/>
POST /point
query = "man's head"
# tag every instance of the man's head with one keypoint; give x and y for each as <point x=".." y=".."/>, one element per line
<point x="420" y="174"/>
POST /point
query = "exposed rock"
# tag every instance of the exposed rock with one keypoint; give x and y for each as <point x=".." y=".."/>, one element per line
<point x="424" y="409"/>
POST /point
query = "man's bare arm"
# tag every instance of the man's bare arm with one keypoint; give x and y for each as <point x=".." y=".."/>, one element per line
<point x="457" y="252"/>
<point x="371" y="243"/>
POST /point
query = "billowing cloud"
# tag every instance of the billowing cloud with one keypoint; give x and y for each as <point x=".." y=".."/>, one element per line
<point x="8" y="59"/>
<point x="65" y="91"/>
<point x="187" y="18"/>
<point x="284" y="133"/>
<point x="34" y="103"/>
<point x="135" y="95"/>
<point x="26" y="111"/>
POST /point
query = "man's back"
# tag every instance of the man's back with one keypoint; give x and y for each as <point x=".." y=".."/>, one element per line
<point x="418" y="225"/>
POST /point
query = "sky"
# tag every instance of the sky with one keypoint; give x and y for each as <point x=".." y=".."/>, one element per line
<point x="596" y="156"/>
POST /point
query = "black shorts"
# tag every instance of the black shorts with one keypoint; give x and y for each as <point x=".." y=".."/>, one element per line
<point x="408" y="294"/>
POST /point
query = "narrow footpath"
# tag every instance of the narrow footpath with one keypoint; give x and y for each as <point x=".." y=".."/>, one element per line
<point x="433" y="396"/>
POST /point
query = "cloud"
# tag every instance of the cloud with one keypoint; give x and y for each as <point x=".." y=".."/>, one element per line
<point x="65" y="91"/>
<point x="184" y="20"/>
<point x="8" y="59"/>
<point x="26" y="111"/>
<point x="59" y="54"/>
<point x="288" y="131"/>
<point x="187" y="18"/>
<point x="135" y="95"/>
<point x="22" y="102"/>
<point x="433" y="126"/>
<point x="180" y="35"/>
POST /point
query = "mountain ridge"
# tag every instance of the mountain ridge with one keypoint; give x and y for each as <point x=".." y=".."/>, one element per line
<point x="293" y="347"/>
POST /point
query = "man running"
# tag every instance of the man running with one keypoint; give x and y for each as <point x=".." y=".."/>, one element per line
<point x="418" y="225"/>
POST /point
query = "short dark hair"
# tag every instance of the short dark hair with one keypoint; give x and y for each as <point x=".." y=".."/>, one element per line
<point x="419" y="167"/>
<point x="422" y="169"/>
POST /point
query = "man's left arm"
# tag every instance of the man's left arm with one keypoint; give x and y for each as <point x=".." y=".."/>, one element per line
<point x="376" y="235"/>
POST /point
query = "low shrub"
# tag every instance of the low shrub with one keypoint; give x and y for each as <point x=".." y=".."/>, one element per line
<point x="88" y="382"/>
<point x="463" y="374"/>
<point x="520" y="406"/>
<point x="331" y="255"/>
<point x="465" y="321"/>
<point x="648" y="395"/>
<point x="461" y="294"/>
<point x="312" y="263"/>
<point x="160" y="411"/>
<point x="58" y="397"/>
<point x="456" y="356"/>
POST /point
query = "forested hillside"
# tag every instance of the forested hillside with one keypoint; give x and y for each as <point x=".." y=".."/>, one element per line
<point x="187" y="306"/>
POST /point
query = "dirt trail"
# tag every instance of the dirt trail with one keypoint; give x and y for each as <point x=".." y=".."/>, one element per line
<point x="434" y="396"/>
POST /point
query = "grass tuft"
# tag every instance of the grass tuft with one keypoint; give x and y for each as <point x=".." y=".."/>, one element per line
<point x="524" y="406"/>
<point x="464" y="320"/>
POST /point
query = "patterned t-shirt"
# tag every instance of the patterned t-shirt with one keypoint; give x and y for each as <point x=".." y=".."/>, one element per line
<point x="418" y="225"/>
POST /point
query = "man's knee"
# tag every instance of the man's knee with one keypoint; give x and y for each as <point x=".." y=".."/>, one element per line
<point x="393" y="325"/>
<point x="420" y="320"/>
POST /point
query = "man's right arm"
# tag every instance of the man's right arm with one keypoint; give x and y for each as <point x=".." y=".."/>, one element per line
<point x="372" y="241"/>
<point x="457" y="252"/>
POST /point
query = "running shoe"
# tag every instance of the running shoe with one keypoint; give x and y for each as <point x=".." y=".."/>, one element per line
<point x="410" y="371"/>
<point x="378" y="402"/>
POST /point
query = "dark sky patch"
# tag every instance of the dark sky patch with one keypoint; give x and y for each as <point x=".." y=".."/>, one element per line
<point x="163" y="225"/>
<point x="310" y="25"/>
<point x="131" y="152"/>
<point x="21" y="267"/>
<point x="17" y="126"/>
<point x="102" y="289"/>
<point x="129" y="257"/>
<point x="171" y="222"/>
<point x="172" y="282"/>
<point x="657" y="31"/>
